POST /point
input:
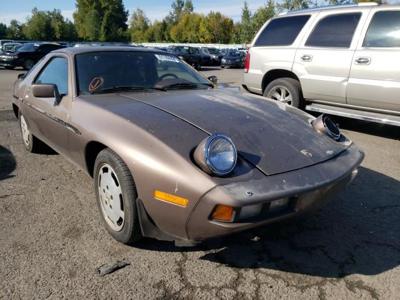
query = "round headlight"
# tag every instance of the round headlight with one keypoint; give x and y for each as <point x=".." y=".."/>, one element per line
<point x="216" y="155"/>
<point x="325" y="125"/>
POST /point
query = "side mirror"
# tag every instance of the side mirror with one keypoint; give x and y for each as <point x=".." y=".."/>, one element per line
<point x="21" y="75"/>
<point x="213" y="79"/>
<point x="46" y="91"/>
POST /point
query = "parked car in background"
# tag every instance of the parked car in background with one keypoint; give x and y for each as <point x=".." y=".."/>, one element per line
<point x="11" y="47"/>
<point x="233" y="59"/>
<point x="191" y="55"/>
<point x="147" y="128"/>
<point x="207" y="59"/>
<point x="2" y="42"/>
<point x="27" y="55"/>
<point x="216" y="55"/>
<point x="338" y="60"/>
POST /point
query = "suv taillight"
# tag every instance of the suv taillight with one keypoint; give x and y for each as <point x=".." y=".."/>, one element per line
<point x="247" y="62"/>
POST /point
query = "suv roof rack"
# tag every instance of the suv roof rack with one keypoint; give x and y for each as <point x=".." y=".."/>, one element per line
<point x="327" y="7"/>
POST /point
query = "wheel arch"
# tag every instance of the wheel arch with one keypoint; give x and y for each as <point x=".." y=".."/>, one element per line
<point x="15" y="110"/>
<point x="92" y="150"/>
<point x="275" y="74"/>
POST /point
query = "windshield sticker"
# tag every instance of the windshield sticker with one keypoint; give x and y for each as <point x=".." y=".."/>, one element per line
<point x="162" y="57"/>
<point x="95" y="84"/>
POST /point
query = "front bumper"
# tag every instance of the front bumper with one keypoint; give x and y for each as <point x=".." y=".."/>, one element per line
<point x="305" y="188"/>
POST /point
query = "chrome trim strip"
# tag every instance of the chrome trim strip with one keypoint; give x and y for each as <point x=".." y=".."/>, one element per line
<point x="383" y="120"/>
<point x="55" y="119"/>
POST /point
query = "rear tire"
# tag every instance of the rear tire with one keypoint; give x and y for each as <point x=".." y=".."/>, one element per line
<point x="31" y="143"/>
<point x="286" y="90"/>
<point x="116" y="197"/>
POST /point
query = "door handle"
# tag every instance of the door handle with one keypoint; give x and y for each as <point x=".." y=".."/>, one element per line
<point x="306" y="57"/>
<point x="363" y="61"/>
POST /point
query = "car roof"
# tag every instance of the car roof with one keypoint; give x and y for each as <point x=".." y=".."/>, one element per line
<point x="338" y="8"/>
<point x="79" y="50"/>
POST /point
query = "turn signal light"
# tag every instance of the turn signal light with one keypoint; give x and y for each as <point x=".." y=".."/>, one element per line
<point x="223" y="213"/>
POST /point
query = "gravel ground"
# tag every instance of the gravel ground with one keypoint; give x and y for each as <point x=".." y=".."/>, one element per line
<point x="52" y="239"/>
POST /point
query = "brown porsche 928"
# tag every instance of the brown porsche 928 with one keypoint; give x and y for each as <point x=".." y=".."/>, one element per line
<point x="172" y="156"/>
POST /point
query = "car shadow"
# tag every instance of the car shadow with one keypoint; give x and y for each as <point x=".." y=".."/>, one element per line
<point x="355" y="233"/>
<point x="7" y="163"/>
<point x="387" y="131"/>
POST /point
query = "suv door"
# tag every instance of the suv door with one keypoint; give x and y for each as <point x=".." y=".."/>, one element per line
<point x="51" y="117"/>
<point x="375" y="74"/>
<point x="323" y="62"/>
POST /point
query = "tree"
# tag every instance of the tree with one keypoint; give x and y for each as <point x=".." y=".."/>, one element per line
<point x="157" y="32"/>
<point x="294" y="4"/>
<point x="3" y="31"/>
<point x="263" y="14"/>
<point x="38" y="26"/>
<point x="215" y="28"/>
<point x="246" y="27"/>
<point x="103" y="20"/>
<point x="188" y="7"/>
<point x="139" y="25"/>
<point x="15" y="30"/>
<point x="187" y="29"/>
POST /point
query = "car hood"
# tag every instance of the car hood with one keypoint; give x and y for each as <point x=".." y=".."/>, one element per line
<point x="273" y="137"/>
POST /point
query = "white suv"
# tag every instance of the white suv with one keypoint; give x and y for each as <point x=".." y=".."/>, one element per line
<point x="339" y="60"/>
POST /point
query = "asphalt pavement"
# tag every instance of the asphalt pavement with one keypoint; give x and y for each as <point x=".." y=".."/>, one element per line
<point x="52" y="240"/>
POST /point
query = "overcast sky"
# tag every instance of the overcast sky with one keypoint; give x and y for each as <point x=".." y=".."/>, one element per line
<point x="154" y="9"/>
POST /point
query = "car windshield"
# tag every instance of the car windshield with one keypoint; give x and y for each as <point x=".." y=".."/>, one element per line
<point x="28" y="47"/>
<point x="112" y="71"/>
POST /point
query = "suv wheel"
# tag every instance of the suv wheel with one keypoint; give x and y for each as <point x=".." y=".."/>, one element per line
<point x="285" y="90"/>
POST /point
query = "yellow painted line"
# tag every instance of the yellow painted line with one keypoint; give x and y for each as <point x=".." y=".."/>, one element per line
<point x="173" y="199"/>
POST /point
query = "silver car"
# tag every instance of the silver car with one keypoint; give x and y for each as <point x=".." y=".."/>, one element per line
<point x="338" y="60"/>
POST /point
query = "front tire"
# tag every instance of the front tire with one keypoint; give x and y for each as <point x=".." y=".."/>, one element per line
<point x="285" y="90"/>
<point x="116" y="197"/>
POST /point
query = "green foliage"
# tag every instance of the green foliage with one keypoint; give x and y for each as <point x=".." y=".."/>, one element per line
<point x="106" y="20"/>
<point x="103" y="20"/>
<point x="215" y="28"/>
<point x="3" y="31"/>
<point x="246" y="26"/>
<point x="187" y="29"/>
<point x="294" y="4"/>
<point x="15" y="30"/>
<point x="139" y="25"/>
<point x="44" y="25"/>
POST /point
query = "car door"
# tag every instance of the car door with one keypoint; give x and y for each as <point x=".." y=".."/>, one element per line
<point x="375" y="73"/>
<point x="50" y="116"/>
<point x="323" y="61"/>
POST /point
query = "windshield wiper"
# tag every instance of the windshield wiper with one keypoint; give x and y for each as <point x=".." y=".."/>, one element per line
<point x="181" y="85"/>
<point x="121" y="88"/>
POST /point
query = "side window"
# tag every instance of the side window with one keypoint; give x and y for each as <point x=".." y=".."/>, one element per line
<point x="384" y="30"/>
<point x="55" y="72"/>
<point x="334" y="31"/>
<point x="281" y="31"/>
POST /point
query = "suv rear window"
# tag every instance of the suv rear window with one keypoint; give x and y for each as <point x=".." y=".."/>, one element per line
<point x="334" y="31"/>
<point x="384" y="30"/>
<point x="281" y="31"/>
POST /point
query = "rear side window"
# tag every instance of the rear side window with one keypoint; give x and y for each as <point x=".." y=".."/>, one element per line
<point x="334" y="31"/>
<point x="384" y="30"/>
<point x="282" y="31"/>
